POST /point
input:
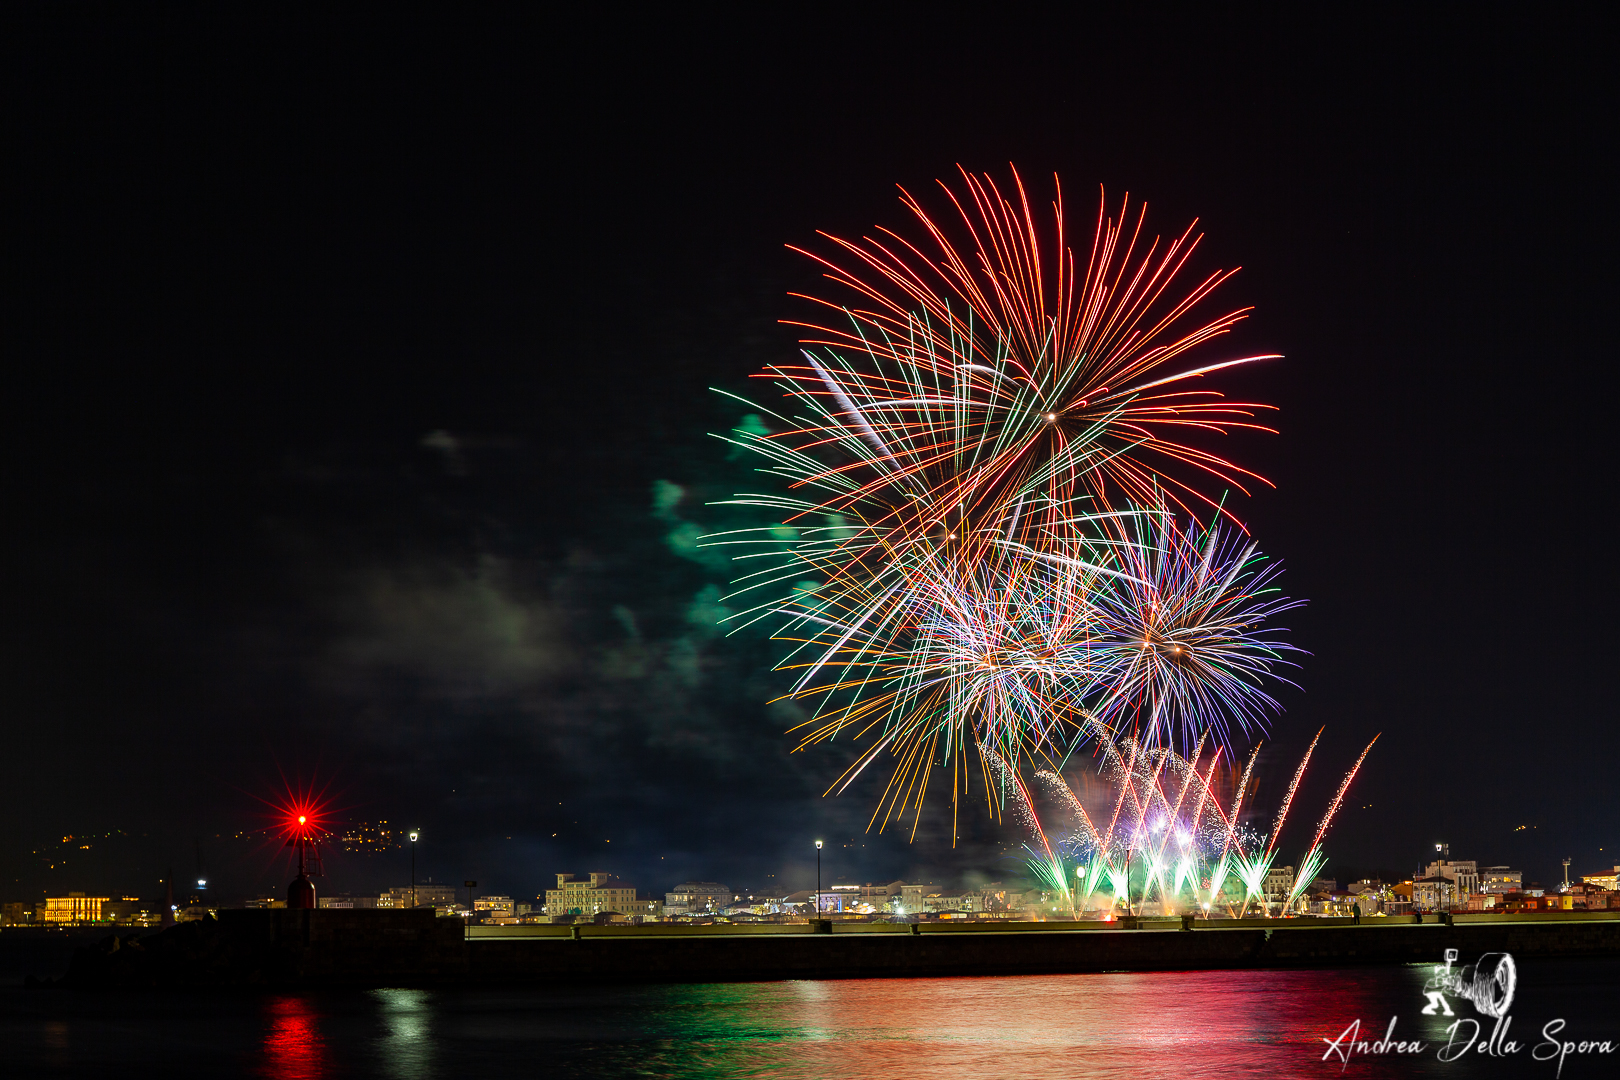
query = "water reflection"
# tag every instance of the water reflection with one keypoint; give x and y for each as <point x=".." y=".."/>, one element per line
<point x="1236" y="1023"/>
<point x="1267" y="1024"/>
<point x="293" y="1047"/>
<point x="405" y="1049"/>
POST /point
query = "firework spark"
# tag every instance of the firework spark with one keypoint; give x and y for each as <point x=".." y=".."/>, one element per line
<point x="985" y="455"/>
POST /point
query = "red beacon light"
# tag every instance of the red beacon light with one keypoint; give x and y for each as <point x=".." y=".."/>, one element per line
<point x="301" y="890"/>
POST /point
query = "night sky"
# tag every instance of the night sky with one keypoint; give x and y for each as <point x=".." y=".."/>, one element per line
<point x="358" y="388"/>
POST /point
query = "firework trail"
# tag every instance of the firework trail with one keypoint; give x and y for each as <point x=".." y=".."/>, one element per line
<point x="1065" y="794"/>
<point x="1293" y="788"/>
<point x="1311" y="865"/>
<point x="1168" y="829"/>
<point x="1229" y="836"/>
<point x="1047" y="864"/>
<point x="1338" y="796"/>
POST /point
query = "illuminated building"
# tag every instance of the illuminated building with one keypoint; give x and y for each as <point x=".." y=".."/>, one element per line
<point x="1434" y="893"/>
<point x="696" y="898"/>
<point x="75" y="907"/>
<point x="1500" y="880"/>
<point x="911" y="896"/>
<point x="1279" y="882"/>
<point x="131" y="911"/>
<point x="1464" y="874"/>
<point x="968" y="903"/>
<point x="495" y="909"/>
<point x="601" y="892"/>
<point x="1609" y="882"/>
<point x="881" y="897"/>
<point x="430" y="895"/>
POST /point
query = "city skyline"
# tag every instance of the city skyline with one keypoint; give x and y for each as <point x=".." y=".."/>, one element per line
<point x="246" y="866"/>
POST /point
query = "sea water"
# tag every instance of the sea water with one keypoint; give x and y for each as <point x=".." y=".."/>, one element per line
<point x="1277" y="1024"/>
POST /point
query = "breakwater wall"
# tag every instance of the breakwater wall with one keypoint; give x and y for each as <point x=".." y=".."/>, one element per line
<point x="382" y="948"/>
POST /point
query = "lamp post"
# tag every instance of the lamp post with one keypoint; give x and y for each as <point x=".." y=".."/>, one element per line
<point x="414" y="835"/>
<point x="818" y="879"/>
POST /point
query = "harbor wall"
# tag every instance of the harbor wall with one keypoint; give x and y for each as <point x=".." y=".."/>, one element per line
<point x="400" y="948"/>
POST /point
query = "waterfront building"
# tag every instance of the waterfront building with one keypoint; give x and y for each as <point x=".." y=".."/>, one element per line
<point x="1399" y="900"/>
<point x="1434" y="893"/>
<point x="1463" y="874"/>
<point x="1336" y="902"/>
<point x="850" y="900"/>
<point x="697" y="898"/>
<point x="966" y="903"/>
<point x="345" y="902"/>
<point x="833" y="902"/>
<point x="1279" y="881"/>
<point x="1500" y="880"/>
<point x="911" y="896"/>
<point x="599" y="892"/>
<point x="75" y="907"/>
<point x="645" y="908"/>
<point x="429" y="894"/>
<point x="1366" y="902"/>
<point x="1609" y="881"/>
<point x="498" y="910"/>
<point x="132" y="911"/>
<point x="1534" y="900"/>
<point x="1589" y="897"/>
<point x="882" y="896"/>
<point x="1369" y="896"/>
<point x="795" y="903"/>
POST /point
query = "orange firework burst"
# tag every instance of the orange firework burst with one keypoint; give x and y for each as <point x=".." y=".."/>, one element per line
<point x="995" y="363"/>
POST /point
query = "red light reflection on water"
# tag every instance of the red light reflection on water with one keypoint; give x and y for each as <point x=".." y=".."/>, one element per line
<point x="293" y="1046"/>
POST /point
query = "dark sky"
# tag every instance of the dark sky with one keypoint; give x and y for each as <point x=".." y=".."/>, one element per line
<point x="345" y="357"/>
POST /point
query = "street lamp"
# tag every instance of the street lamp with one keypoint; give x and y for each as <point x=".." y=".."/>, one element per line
<point x="818" y="879"/>
<point x="414" y="834"/>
